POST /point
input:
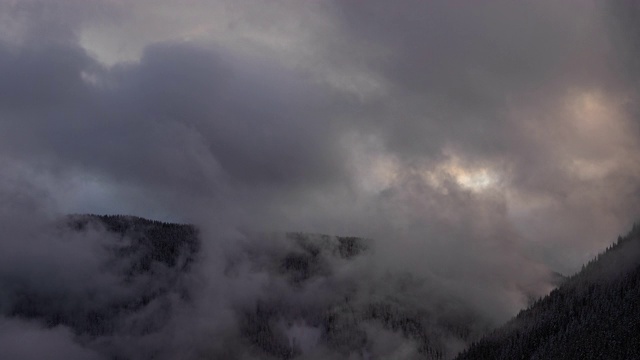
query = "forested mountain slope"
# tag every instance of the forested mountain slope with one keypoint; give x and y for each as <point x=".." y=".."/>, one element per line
<point x="595" y="314"/>
<point x="142" y="289"/>
<point x="141" y="264"/>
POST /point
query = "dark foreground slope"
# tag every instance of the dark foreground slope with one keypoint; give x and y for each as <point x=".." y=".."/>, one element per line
<point x="593" y="315"/>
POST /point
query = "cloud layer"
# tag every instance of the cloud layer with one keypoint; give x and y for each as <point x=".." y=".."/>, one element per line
<point x="482" y="145"/>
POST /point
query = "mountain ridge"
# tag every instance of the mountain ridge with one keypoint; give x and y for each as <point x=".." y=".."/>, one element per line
<point x="316" y="296"/>
<point x="594" y="314"/>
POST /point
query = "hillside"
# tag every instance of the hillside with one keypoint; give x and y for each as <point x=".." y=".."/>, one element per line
<point x="299" y="296"/>
<point x="142" y="263"/>
<point x="595" y="314"/>
<point x="286" y="296"/>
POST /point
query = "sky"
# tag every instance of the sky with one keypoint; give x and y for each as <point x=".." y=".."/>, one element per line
<point x="476" y="137"/>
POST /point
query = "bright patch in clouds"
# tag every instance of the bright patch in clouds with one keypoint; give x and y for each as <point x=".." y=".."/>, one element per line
<point x="379" y="171"/>
<point x="476" y="180"/>
<point x="464" y="175"/>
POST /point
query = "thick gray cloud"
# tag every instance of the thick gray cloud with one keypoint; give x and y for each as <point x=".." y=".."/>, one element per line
<point x="22" y="340"/>
<point x="530" y="90"/>
<point x="182" y="120"/>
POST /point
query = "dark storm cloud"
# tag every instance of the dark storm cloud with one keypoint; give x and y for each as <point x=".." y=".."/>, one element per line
<point x="625" y="33"/>
<point x="182" y="119"/>
<point x="456" y="68"/>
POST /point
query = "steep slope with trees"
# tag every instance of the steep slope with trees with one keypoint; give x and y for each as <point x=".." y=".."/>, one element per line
<point x="595" y="314"/>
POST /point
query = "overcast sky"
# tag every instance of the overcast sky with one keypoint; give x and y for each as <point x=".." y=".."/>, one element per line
<point x="447" y="130"/>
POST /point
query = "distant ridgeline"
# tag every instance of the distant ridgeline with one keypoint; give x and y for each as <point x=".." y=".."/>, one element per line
<point x="173" y="245"/>
<point x="595" y="314"/>
<point x="323" y="300"/>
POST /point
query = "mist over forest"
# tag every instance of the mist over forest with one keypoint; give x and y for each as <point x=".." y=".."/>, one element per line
<point x="316" y="179"/>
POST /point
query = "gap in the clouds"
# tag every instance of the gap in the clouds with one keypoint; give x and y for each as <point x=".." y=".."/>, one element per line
<point x="87" y="194"/>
